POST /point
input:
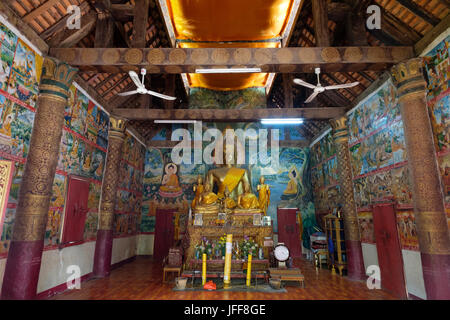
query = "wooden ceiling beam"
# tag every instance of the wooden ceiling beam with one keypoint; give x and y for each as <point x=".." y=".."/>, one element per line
<point x="123" y="12"/>
<point x="140" y="23"/>
<point x="287" y="90"/>
<point x="320" y="16"/>
<point x="104" y="31"/>
<point x="423" y="43"/>
<point x="67" y="38"/>
<point x="419" y="11"/>
<point x="298" y="60"/>
<point x="226" y="115"/>
<point x="44" y="7"/>
<point x="62" y="23"/>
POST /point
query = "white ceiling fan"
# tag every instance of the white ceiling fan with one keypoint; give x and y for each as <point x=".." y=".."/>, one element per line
<point x="141" y="87"/>
<point x="319" y="88"/>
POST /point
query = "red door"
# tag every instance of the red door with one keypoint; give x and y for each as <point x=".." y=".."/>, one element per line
<point x="288" y="231"/>
<point x="389" y="251"/>
<point x="76" y="210"/>
<point x="163" y="233"/>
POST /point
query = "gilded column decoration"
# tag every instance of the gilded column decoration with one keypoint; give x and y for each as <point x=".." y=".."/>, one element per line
<point x="429" y="208"/>
<point x="103" y="246"/>
<point x="352" y="237"/>
<point x="110" y="180"/>
<point x="36" y="187"/>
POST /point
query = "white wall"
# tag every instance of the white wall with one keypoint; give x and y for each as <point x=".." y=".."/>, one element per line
<point x="370" y="255"/>
<point x="55" y="262"/>
<point x="412" y="265"/>
<point x="145" y="244"/>
<point x="2" y="270"/>
<point x="123" y="248"/>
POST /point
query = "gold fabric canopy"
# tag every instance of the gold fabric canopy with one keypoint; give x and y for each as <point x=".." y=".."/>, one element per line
<point x="216" y="23"/>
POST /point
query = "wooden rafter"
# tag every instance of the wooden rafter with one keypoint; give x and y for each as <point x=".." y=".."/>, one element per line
<point x="419" y="11"/>
<point x="225" y="115"/>
<point x="44" y="7"/>
<point x="301" y="60"/>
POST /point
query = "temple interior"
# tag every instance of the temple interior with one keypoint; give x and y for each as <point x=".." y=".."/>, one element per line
<point x="224" y="150"/>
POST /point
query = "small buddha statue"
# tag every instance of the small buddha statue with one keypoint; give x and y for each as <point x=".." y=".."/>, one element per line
<point x="247" y="202"/>
<point x="198" y="189"/>
<point x="207" y="202"/>
<point x="264" y="195"/>
<point x="229" y="203"/>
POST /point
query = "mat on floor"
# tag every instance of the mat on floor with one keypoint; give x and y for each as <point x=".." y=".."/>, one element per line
<point x="235" y="288"/>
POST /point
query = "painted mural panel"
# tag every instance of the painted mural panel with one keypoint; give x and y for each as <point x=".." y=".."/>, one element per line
<point x="201" y="98"/>
<point x="83" y="143"/>
<point x="128" y="205"/>
<point x="366" y="229"/>
<point x="437" y="66"/>
<point x="407" y="230"/>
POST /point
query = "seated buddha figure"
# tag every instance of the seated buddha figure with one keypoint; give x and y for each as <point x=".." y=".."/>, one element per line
<point x="247" y="202"/>
<point x="228" y="176"/>
<point x="170" y="185"/>
<point x="292" y="187"/>
<point x="207" y="202"/>
<point x="229" y="203"/>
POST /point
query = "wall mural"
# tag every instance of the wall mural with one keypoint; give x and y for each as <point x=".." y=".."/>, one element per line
<point x="83" y="143"/>
<point x="202" y="98"/>
<point x="129" y="194"/>
<point x="437" y="66"/>
<point x="378" y="157"/>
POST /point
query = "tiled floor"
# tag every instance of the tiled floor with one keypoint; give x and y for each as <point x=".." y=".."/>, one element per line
<point x="142" y="280"/>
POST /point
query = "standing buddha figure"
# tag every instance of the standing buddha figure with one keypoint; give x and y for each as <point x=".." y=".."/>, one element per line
<point x="263" y="195"/>
<point x="198" y="189"/>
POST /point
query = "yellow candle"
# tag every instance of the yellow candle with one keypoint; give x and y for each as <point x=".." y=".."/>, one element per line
<point x="204" y="269"/>
<point x="227" y="268"/>
<point x="249" y="270"/>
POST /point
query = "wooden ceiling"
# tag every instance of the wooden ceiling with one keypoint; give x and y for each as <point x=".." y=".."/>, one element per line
<point x="404" y="22"/>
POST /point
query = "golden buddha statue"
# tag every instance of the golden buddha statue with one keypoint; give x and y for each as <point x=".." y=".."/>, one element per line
<point x="207" y="202"/>
<point x="229" y="203"/>
<point x="198" y="189"/>
<point x="228" y="176"/>
<point x="264" y="195"/>
<point x="247" y="202"/>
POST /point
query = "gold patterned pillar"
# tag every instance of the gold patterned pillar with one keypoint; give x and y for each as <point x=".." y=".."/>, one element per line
<point x="103" y="245"/>
<point x="355" y="262"/>
<point x="429" y="208"/>
<point x="24" y="257"/>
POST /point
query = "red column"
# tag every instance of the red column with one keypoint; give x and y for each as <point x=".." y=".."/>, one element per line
<point x="103" y="246"/>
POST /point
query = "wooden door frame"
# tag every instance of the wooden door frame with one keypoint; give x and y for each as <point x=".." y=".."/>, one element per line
<point x="63" y="220"/>
<point x="164" y="211"/>
<point x="394" y="207"/>
<point x="297" y="228"/>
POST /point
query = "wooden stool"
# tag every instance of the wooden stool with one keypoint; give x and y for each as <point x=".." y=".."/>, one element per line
<point x="292" y="274"/>
<point x="171" y="269"/>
